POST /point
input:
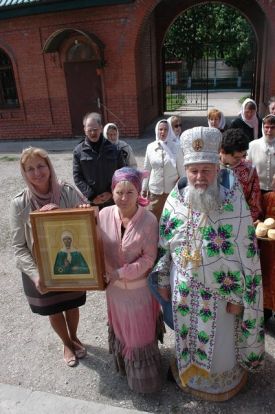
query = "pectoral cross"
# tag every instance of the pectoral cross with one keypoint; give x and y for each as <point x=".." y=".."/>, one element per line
<point x="196" y="258"/>
<point x="185" y="257"/>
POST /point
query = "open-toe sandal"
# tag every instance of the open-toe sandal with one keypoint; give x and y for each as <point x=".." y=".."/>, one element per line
<point x="79" y="349"/>
<point x="71" y="361"/>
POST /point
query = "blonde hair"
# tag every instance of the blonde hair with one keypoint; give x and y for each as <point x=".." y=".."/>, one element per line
<point x="214" y="112"/>
<point x="175" y="118"/>
<point x="32" y="152"/>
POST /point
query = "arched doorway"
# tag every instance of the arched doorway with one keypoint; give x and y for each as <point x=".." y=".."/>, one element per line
<point x="82" y="57"/>
<point x="165" y="16"/>
<point x="208" y="48"/>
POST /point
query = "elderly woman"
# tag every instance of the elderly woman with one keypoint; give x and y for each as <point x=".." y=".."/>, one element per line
<point x="216" y="119"/>
<point x="110" y="132"/>
<point x="248" y="120"/>
<point x="262" y="154"/>
<point x="164" y="161"/>
<point x="130" y="237"/>
<point x="45" y="192"/>
<point x="175" y="123"/>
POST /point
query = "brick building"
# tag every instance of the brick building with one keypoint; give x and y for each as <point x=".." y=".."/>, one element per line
<point x="60" y="59"/>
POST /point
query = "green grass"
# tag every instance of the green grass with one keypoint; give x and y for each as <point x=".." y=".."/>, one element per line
<point x="174" y="102"/>
<point x="9" y="158"/>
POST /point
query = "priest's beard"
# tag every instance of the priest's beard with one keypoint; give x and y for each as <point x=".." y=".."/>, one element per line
<point x="205" y="200"/>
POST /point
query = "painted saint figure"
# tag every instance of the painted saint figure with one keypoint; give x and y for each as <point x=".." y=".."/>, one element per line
<point x="69" y="261"/>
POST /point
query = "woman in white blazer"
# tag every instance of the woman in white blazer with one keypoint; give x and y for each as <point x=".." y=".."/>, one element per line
<point x="164" y="161"/>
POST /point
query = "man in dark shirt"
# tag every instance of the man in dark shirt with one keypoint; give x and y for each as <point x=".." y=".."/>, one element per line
<point x="95" y="160"/>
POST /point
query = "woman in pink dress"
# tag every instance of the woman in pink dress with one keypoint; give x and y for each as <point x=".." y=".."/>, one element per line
<point x="130" y="237"/>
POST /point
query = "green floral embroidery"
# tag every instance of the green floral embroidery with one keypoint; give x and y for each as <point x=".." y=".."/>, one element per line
<point x="167" y="225"/>
<point x="247" y="326"/>
<point x="183" y="309"/>
<point x="178" y="250"/>
<point x="228" y="207"/>
<point x="252" y="246"/>
<point x="251" y="288"/>
<point x="205" y="314"/>
<point x="229" y="282"/>
<point x="184" y="331"/>
<point x="218" y="241"/>
<point x="174" y="194"/>
<point x="254" y="360"/>
<point x="205" y="294"/>
<point x="184" y="289"/>
<point x="201" y="354"/>
<point x="203" y="337"/>
<point x="184" y="353"/>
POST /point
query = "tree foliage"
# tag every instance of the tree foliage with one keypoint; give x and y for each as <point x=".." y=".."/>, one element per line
<point x="215" y="29"/>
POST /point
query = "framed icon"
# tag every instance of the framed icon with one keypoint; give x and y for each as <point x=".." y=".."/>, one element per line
<point x="68" y="249"/>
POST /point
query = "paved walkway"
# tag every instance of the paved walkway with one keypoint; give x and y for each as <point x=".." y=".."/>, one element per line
<point x="227" y="102"/>
<point x="18" y="400"/>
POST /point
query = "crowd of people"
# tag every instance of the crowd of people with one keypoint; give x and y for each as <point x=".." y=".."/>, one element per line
<point x="179" y="247"/>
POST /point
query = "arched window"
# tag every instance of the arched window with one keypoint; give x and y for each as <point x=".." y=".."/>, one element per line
<point x="8" y="92"/>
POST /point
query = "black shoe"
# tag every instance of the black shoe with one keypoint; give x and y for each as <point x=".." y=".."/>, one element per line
<point x="267" y="314"/>
<point x="170" y="376"/>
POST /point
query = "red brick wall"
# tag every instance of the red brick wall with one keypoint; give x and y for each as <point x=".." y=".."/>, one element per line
<point x="131" y="78"/>
<point x="146" y="68"/>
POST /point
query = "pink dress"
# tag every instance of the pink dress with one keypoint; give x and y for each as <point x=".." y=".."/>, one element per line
<point x="133" y="313"/>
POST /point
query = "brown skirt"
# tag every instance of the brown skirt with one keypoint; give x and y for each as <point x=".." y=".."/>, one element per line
<point x="157" y="202"/>
<point x="51" y="302"/>
<point x="143" y="371"/>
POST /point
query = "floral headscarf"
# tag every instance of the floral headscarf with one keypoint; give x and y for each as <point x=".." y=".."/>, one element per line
<point x="135" y="177"/>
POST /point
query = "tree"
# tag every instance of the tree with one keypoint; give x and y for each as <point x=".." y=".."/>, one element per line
<point x="216" y="29"/>
<point x="186" y="36"/>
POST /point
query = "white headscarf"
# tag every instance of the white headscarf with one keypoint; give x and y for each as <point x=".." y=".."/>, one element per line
<point x="175" y="137"/>
<point x="253" y="122"/>
<point x="269" y="144"/>
<point x="168" y="145"/>
<point x="221" y="123"/>
<point x="105" y="130"/>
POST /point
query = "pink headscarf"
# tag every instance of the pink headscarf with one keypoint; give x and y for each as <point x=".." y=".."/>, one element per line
<point x="36" y="198"/>
<point x="135" y="177"/>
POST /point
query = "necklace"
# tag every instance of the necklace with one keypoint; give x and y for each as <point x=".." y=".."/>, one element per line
<point x="187" y="255"/>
